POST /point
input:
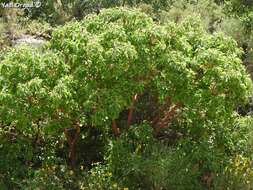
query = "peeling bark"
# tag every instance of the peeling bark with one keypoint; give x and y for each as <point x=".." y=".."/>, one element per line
<point x="115" y="129"/>
<point x="72" y="141"/>
<point x="131" y="110"/>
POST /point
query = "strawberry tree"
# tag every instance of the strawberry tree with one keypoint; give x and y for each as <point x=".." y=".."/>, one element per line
<point x="95" y="69"/>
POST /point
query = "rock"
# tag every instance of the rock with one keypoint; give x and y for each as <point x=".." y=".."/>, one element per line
<point x="29" y="40"/>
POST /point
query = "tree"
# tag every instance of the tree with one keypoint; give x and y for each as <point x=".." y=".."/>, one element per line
<point x="60" y="11"/>
<point x="242" y="9"/>
<point x="94" y="70"/>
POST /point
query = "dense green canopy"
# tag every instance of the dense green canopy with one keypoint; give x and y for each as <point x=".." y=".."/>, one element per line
<point x="92" y="69"/>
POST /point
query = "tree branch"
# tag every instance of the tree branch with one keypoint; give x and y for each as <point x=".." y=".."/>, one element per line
<point x="168" y="116"/>
<point x="72" y="141"/>
<point x="162" y="108"/>
<point x="115" y="129"/>
<point x="131" y="110"/>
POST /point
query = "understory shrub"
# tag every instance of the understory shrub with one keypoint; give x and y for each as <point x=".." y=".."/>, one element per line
<point x="190" y="164"/>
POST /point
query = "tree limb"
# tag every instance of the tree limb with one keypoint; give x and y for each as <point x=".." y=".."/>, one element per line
<point x="168" y="116"/>
<point x="131" y="110"/>
<point x="115" y="129"/>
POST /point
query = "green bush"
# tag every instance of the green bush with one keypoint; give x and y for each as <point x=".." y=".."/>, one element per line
<point x="99" y="177"/>
<point x="189" y="164"/>
<point x="210" y="13"/>
<point x="16" y="156"/>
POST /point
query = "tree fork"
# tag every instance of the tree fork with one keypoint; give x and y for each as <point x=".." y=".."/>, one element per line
<point x="167" y="117"/>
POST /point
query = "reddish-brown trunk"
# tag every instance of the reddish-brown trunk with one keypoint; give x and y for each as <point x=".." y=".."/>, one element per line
<point x="115" y="129"/>
<point x="131" y="110"/>
<point x="72" y="141"/>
